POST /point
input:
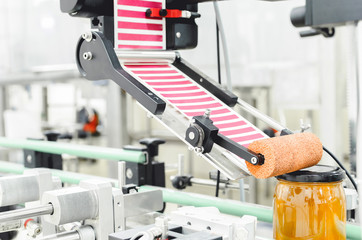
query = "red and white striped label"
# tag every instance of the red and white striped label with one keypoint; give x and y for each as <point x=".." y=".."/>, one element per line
<point x="133" y="30"/>
<point x="191" y="99"/>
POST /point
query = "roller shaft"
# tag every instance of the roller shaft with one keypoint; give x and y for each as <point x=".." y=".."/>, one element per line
<point x="26" y="213"/>
<point x="64" y="236"/>
<point x="83" y="233"/>
<point x="259" y="115"/>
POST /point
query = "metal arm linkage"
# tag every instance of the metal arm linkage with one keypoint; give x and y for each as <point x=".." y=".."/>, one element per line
<point x="202" y="134"/>
<point x="96" y="59"/>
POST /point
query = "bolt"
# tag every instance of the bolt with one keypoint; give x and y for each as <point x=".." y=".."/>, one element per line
<point x="88" y="36"/>
<point x="87" y="56"/>
<point x="192" y="135"/>
<point x="201" y="80"/>
<point x="129" y="173"/>
<point x="254" y="160"/>
<point x="178" y="35"/>
<point x="199" y="150"/>
<point x="207" y="113"/>
<point x="29" y="158"/>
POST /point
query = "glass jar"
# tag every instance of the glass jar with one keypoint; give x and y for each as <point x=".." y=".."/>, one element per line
<point x="310" y="204"/>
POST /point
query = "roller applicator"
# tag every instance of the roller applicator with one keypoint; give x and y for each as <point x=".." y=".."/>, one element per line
<point x="286" y="154"/>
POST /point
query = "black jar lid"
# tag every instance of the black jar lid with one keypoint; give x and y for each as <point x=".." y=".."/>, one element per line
<point x="318" y="173"/>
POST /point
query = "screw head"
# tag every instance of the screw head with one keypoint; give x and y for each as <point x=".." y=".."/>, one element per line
<point x="254" y="160"/>
<point x="178" y="35"/>
<point x="192" y="135"/>
<point x="129" y="173"/>
<point x="207" y="113"/>
<point x="87" y="56"/>
<point x="29" y="158"/>
<point x="88" y="36"/>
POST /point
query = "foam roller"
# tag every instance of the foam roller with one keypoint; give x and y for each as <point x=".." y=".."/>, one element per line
<point x="286" y="154"/>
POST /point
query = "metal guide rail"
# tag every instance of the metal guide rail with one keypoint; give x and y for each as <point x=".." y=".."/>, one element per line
<point x="85" y="151"/>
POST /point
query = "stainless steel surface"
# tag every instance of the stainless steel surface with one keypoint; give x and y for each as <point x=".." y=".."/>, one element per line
<point x="18" y="189"/>
<point x="71" y="205"/>
<point x="119" y="220"/>
<point x="121" y="174"/>
<point x="141" y="203"/>
<point x="103" y="224"/>
<point x="154" y="56"/>
<point x="259" y="115"/>
<point x="26" y="213"/>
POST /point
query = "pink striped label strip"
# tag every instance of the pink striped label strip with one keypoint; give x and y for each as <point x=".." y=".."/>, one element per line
<point x="134" y="30"/>
<point x="192" y="100"/>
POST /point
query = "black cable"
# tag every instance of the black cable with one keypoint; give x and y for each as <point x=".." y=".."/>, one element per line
<point x="217" y="184"/>
<point x="219" y="80"/>
<point x="218" y="53"/>
<point x="341" y="166"/>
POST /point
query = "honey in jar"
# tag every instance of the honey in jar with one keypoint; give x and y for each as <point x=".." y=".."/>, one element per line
<point x="310" y="205"/>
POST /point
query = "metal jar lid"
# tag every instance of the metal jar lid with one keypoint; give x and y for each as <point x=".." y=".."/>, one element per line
<point x="318" y="173"/>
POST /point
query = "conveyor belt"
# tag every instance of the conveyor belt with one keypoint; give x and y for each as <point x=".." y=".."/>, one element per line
<point x="191" y="99"/>
<point x="185" y="98"/>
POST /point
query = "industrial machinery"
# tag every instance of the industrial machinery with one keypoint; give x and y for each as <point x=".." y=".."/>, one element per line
<point x="323" y="16"/>
<point x="96" y="209"/>
<point x="134" y="43"/>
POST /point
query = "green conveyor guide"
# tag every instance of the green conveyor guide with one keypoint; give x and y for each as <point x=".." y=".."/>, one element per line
<point x="84" y="151"/>
<point x="231" y="207"/>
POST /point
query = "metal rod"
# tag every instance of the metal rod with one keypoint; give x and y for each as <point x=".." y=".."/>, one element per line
<point x="212" y="183"/>
<point x="242" y="190"/>
<point x="85" y="151"/>
<point x="259" y="115"/>
<point x="155" y="56"/>
<point x="26" y="213"/>
<point x="83" y="233"/>
<point x="64" y="236"/>
<point x="181" y="164"/>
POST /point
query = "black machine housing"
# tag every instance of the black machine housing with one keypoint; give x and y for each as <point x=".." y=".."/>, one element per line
<point x="323" y="15"/>
<point x="101" y="14"/>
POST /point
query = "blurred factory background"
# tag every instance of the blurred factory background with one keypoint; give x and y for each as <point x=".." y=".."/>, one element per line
<point x="297" y="81"/>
